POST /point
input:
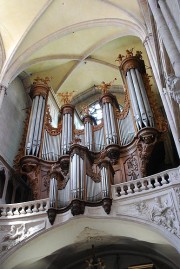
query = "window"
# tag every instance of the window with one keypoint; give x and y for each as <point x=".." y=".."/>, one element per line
<point x="96" y="111"/>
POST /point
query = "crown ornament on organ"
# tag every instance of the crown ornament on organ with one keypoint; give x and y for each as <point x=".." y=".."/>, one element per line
<point x="66" y="97"/>
<point x="104" y="87"/>
<point x="39" y="80"/>
<point x="129" y="53"/>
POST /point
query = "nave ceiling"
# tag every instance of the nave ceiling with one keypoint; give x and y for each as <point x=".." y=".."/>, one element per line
<point x="74" y="43"/>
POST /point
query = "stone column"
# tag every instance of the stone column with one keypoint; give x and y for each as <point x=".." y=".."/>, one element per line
<point x="166" y="36"/>
<point x="174" y="130"/>
<point x="170" y="22"/>
<point x="3" y="90"/>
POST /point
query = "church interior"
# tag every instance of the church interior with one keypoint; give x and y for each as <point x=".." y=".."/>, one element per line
<point x="89" y="134"/>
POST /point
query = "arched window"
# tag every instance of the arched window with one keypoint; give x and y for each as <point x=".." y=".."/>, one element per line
<point x="96" y="111"/>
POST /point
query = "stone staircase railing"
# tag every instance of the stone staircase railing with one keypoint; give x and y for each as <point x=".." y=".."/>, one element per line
<point x="146" y="184"/>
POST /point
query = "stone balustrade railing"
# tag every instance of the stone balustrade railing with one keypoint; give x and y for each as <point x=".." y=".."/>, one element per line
<point x="20" y="209"/>
<point x="146" y="184"/>
<point x="119" y="191"/>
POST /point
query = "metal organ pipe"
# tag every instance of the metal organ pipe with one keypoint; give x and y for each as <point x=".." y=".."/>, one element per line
<point x="105" y="124"/>
<point x="114" y="135"/>
<point x="88" y="132"/>
<point x="53" y="192"/>
<point x="36" y="127"/>
<point x="67" y="127"/>
<point x="33" y="139"/>
<point x="109" y="119"/>
<point x="145" y="98"/>
<point x="139" y="98"/>
<point x="134" y="101"/>
<point x="133" y="68"/>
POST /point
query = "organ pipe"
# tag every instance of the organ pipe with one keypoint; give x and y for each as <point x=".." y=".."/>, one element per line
<point x="133" y="68"/>
<point x="67" y="127"/>
<point x="110" y="129"/>
<point x="88" y="125"/>
<point x="107" y="174"/>
<point x="39" y="94"/>
<point x="53" y="192"/>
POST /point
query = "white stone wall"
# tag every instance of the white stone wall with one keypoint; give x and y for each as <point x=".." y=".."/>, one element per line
<point x="12" y="116"/>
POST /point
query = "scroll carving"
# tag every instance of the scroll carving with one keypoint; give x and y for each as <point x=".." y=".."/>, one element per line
<point x="160" y="122"/>
<point x="145" y="146"/>
<point x="47" y="124"/>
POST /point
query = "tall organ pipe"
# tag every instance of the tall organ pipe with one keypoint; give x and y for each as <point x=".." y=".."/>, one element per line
<point x="134" y="102"/>
<point x="133" y="68"/>
<point x="139" y="97"/>
<point x="67" y="112"/>
<point x="145" y="98"/>
<point x="88" y="122"/>
<point x="53" y="192"/>
<point x="107" y="101"/>
<point x="39" y="94"/>
<point x="107" y="174"/>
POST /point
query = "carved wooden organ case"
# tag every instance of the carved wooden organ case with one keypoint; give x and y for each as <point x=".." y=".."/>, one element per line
<point x="76" y="168"/>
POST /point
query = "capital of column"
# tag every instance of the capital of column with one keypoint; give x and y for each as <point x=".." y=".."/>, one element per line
<point x="67" y="109"/>
<point x="40" y="88"/>
<point x="89" y="118"/>
<point x="109" y="98"/>
<point x="133" y="62"/>
<point x="173" y="83"/>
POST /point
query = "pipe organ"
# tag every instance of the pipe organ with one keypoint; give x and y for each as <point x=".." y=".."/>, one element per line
<point x="133" y="67"/>
<point x="67" y="127"/>
<point x="109" y="119"/>
<point x="34" y="133"/>
<point x="76" y="168"/>
<point x="88" y="131"/>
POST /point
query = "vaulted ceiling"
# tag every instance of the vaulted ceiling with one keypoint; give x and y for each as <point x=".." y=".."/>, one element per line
<point x="73" y="42"/>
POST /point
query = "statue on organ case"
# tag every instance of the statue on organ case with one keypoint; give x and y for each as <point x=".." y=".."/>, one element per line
<point x="105" y="86"/>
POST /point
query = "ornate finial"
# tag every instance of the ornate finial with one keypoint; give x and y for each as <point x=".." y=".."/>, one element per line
<point x="66" y="97"/>
<point x="119" y="58"/>
<point x="139" y="54"/>
<point x="104" y="86"/>
<point x="41" y="80"/>
<point x="129" y="53"/>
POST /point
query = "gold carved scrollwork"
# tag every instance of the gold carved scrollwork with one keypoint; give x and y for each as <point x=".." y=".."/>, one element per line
<point x="104" y="87"/>
<point x="122" y="115"/>
<point x="98" y="127"/>
<point x="145" y="146"/>
<point x="66" y="97"/>
<point x="160" y="122"/>
<point x="47" y="124"/>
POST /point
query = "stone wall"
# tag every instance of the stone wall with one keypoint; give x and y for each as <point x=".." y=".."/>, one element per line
<point x="12" y="116"/>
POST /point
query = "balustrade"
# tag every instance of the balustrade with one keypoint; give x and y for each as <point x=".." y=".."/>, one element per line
<point x="20" y="209"/>
<point x="145" y="184"/>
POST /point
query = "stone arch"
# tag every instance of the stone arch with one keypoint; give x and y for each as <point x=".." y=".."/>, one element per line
<point x="131" y="237"/>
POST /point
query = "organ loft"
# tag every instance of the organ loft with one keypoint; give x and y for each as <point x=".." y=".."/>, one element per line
<point x="74" y="167"/>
